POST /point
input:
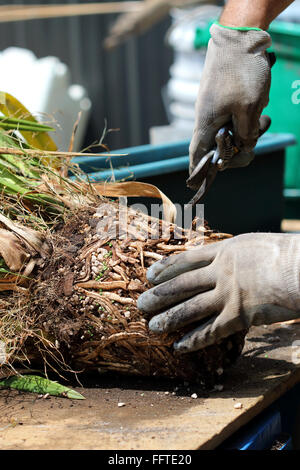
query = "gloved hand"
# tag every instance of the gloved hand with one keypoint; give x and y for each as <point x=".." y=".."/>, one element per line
<point x="234" y="88"/>
<point x="250" y="279"/>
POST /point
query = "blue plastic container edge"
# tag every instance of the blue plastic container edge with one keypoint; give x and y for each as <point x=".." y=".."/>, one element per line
<point x="162" y="159"/>
<point x="258" y="436"/>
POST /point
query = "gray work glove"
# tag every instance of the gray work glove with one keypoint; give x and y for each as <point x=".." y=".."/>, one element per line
<point x="234" y="88"/>
<point x="227" y="286"/>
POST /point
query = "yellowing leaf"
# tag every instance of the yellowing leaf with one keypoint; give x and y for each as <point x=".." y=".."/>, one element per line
<point x="11" y="107"/>
<point x="138" y="189"/>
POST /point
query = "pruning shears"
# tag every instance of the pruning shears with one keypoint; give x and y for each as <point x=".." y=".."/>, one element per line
<point x="217" y="159"/>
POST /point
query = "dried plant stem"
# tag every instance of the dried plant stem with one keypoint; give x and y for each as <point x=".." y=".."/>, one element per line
<point x="13" y="151"/>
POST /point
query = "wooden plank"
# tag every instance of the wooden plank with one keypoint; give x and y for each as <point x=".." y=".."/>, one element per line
<point x="290" y="225"/>
<point x="10" y="13"/>
<point x="154" y="416"/>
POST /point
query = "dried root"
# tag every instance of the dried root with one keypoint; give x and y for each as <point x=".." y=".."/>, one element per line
<point x="85" y="299"/>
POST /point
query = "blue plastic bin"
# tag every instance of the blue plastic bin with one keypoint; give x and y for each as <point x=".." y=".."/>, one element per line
<point x="258" y="436"/>
<point x="279" y="422"/>
<point x="261" y="435"/>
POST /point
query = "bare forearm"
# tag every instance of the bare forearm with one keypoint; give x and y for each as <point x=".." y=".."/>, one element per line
<point x="252" y="13"/>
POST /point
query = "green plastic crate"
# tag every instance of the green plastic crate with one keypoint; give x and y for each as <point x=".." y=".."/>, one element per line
<point x="285" y="89"/>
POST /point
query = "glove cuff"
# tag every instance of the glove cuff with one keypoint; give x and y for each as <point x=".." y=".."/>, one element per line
<point x="247" y="40"/>
<point x="238" y="28"/>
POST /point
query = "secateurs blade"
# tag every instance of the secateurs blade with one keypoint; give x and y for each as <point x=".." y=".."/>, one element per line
<point x="217" y="159"/>
<point x="205" y="172"/>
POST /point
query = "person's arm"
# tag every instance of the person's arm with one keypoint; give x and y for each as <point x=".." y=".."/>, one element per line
<point x="252" y="13"/>
<point x="236" y="79"/>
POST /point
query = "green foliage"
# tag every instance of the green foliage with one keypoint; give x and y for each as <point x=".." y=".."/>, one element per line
<point x="20" y="177"/>
<point x="8" y="123"/>
<point x="40" y="385"/>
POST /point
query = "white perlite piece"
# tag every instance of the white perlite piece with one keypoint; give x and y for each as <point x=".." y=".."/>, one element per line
<point x="121" y="404"/>
<point x="194" y="395"/>
<point x="238" y="406"/>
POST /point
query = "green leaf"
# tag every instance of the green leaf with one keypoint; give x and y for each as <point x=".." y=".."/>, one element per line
<point x="16" y="184"/>
<point x="19" y="124"/>
<point x="40" y="385"/>
<point x="22" y="127"/>
<point x="3" y="268"/>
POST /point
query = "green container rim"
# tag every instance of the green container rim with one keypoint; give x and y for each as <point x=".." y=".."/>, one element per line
<point x="285" y="28"/>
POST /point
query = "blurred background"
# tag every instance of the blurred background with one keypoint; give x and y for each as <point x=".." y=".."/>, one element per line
<point x="124" y="84"/>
